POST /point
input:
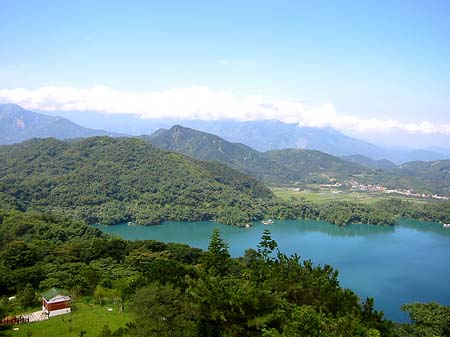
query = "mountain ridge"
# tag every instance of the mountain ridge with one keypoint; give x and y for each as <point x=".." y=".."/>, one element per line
<point x="18" y="124"/>
<point x="206" y="146"/>
<point x="300" y="166"/>
<point x="261" y="135"/>
<point x="288" y="166"/>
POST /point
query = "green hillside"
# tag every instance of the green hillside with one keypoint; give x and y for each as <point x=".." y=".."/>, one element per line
<point x="206" y="146"/>
<point x="380" y="164"/>
<point x="299" y="166"/>
<point x="316" y="166"/>
<point x="107" y="180"/>
<point x="432" y="176"/>
<point x="275" y="167"/>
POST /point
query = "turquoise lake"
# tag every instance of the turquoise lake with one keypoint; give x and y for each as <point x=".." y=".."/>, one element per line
<point x="409" y="262"/>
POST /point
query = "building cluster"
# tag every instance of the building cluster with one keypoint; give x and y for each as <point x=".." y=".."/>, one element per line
<point x="357" y="186"/>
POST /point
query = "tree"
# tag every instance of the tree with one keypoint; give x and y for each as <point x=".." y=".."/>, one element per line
<point x="267" y="245"/>
<point x="230" y="306"/>
<point x="18" y="254"/>
<point x="305" y="321"/>
<point x="217" y="259"/>
<point x="373" y="318"/>
<point x="106" y="331"/>
<point x="162" y="311"/>
<point x="27" y="297"/>
<point x="100" y="294"/>
<point x="124" y="287"/>
<point x="428" y="320"/>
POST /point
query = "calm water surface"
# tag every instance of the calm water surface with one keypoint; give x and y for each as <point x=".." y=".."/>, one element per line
<point x="406" y="263"/>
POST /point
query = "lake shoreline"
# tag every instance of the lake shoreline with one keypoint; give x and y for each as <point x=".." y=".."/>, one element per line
<point x="394" y="264"/>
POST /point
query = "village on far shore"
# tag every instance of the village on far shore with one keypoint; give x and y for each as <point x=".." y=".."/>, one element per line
<point x="354" y="185"/>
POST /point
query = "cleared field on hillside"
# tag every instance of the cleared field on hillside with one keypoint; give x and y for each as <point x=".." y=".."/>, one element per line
<point x="85" y="317"/>
<point x="322" y="194"/>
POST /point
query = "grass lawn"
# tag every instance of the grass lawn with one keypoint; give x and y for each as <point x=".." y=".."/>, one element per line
<point x="90" y="318"/>
<point x="320" y="194"/>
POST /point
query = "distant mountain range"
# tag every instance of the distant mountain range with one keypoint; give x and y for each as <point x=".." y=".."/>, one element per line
<point x="291" y="166"/>
<point x="261" y="135"/>
<point x="18" y="124"/>
<point x="273" y="167"/>
<point x="275" y="135"/>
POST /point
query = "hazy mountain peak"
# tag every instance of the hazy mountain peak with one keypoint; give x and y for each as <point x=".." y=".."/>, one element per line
<point x="9" y="110"/>
<point x="18" y="124"/>
<point x="179" y="126"/>
<point x="10" y="106"/>
<point x="262" y="135"/>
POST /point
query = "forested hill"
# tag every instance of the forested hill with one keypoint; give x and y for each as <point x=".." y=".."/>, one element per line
<point x="206" y="146"/>
<point x="291" y="166"/>
<point x="424" y="177"/>
<point x="380" y="164"/>
<point x="111" y="180"/>
<point x="273" y="167"/>
<point x="435" y="174"/>
<point x="316" y="165"/>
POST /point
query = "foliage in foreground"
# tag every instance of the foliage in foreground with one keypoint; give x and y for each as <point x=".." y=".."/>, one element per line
<point x="176" y="290"/>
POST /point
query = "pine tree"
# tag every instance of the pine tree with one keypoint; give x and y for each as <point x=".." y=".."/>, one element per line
<point x="217" y="258"/>
<point x="267" y="245"/>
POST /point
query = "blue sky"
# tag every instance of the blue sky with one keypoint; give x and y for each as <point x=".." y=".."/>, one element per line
<point x="367" y="59"/>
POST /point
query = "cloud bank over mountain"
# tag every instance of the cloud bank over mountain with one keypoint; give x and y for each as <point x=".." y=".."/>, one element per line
<point x="201" y="102"/>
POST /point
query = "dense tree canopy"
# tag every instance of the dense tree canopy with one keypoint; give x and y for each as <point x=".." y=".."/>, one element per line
<point x="108" y="181"/>
<point x="176" y="290"/>
<point x="50" y="190"/>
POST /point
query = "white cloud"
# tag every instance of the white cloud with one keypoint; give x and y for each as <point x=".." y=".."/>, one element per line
<point x="201" y="102"/>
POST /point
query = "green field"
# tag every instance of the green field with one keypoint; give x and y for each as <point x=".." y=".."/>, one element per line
<point x="85" y="317"/>
<point x="315" y="193"/>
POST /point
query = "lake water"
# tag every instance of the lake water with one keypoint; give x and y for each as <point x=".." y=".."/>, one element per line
<point x="406" y="263"/>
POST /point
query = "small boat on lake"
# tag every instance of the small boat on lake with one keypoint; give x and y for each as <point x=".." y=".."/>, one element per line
<point x="446" y="225"/>
<point x="267" y="222"/>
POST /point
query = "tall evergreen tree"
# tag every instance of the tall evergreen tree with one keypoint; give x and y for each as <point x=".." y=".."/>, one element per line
<point x="267" y="245"/>
<point x="217" y="258"/>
